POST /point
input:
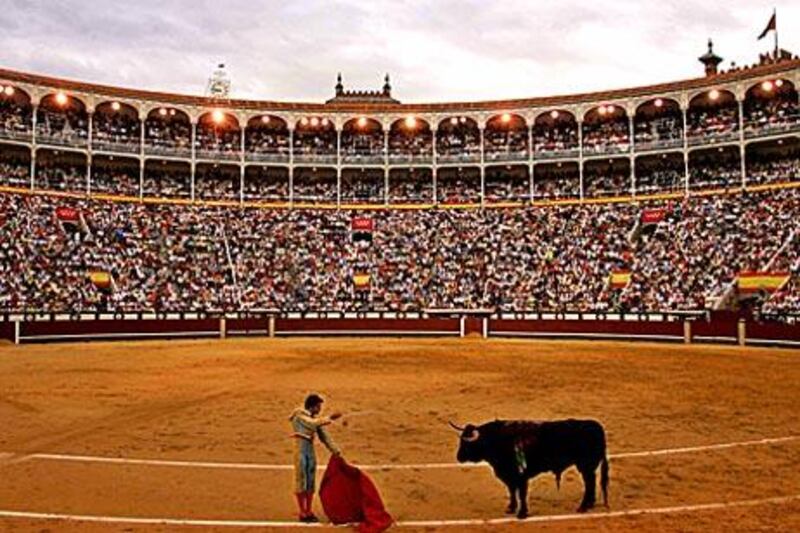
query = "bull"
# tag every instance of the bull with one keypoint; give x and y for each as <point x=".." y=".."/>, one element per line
<point x="520" y="450"/>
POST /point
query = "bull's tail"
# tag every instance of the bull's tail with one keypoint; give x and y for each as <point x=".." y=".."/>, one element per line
<point x="604" y="479"/>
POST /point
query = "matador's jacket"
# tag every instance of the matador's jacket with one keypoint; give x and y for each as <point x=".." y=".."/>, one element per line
<point x="305" y="428"/>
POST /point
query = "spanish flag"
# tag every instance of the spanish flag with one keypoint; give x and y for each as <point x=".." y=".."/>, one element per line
<point x="619" y="279"/>
<point x="750" y="282"/>
<point x="772" y="25"/>
<point x="362" y="281"/>
<point x="101" y="279"/>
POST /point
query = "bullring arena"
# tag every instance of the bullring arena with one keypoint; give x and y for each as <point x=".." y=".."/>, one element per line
<point x="178" y="272"/>
<point x="195" y="431"/>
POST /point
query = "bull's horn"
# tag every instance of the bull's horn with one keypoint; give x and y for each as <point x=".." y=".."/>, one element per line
<point x="455" y="426"/>
<point x="472" y="437"/>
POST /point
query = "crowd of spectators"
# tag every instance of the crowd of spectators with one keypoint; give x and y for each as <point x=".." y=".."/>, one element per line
<point x="773" y="170"/>
<point x="217" y="142"/>
<point x="558" y="258"/>
<point x="691" y="258"/>
<point x="607" y="136"/>
<point x="68" y="126"/>
<point x="556" y="139"/>
<point x="15" y="118"/>
<point x="662" y="132"/>
<point x="705" y="123"/>
<point x="169" y="134"/>
<point x="116" y="132"/>
<point x="266" y="142"/>
<point x="506" y="144"/>
<point x="774" y="114"/>
<point x="409" y="144"/>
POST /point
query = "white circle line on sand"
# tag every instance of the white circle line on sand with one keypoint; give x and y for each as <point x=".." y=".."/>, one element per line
<point x="382" y="467"/>
<point x="402" y="523"/>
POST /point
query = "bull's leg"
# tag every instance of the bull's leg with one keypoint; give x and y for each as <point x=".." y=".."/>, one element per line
<point x="589" y="482"/>
<point x="512" y="503"/>
<point x="523" y="499"/>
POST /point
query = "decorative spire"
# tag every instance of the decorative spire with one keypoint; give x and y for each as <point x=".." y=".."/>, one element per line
<point x="710" y="60"/>
<point x="339" y="86"/>
<point x="387" y="87"/>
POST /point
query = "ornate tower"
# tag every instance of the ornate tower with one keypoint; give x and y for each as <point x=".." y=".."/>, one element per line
<point x="219" y="84"/>
<point x="710" y="60"/>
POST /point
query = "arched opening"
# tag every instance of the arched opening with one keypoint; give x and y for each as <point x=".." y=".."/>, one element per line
<point x="713" y="116"/>
<point x="62" y="120"/>
<point x="266" y="184"/>
<point x="314" y="185"/>
<point x="556" y="181"/>
<point x="410" y="140"/>
<point x="458" y="139"/>
<point x="658" y="124"/>
<point x="267" y="139"/>
<point x="771" y="107"/>
<point x="116" y="128"/>
<point x="555" y="135"/>
<point x="16" y="113"/>
<point x="168" y="132"/>
<point x="605" y="178"/>
<point x="167" y="179"/>
<point x="506" y="138"/>
<point x="660" y="173"/>
<point x="507" y="183"/>
<point x="113" y="175"/>
<point x="606" y="130"/>
<point x="411" y="186"/>
<point x="218" y="136"/>
<point x="363" y="141"/>
<point x="217" y="182"/>
<point x="715" y="168"/>
<point x="315" y="140"/>
<point x="15" y="166"/>
<point x="58" y="170"/>
<point x="775" y="161"/>
<point x="458" y="185"/>
<point x="363" y="186"/>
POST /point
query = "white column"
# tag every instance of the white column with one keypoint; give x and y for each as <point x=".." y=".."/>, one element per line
<point x="194" y="159"/>
<point x="142" y="164"/>
<point x="34" y="122"/>
<point x="632" y="142"/>
<point x="338" y="167"/>
<point x="89" y="137"/>
<point x="434" y="166"/>
<point x="742" y="163"/>
<point x="580" y="156"/>
<point x="291" y="165"/>
<point x="242" y="163"/>
<point x="530" y="163"/>
<point x="685" y="151"/>
<point x="482" y="131"/>
<point x="386" y="167"/>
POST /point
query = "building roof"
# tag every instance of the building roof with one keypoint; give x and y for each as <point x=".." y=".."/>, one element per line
<point x="391" y="107"/>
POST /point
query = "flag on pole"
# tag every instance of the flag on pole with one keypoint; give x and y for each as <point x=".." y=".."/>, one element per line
<point x="772" y="25"/>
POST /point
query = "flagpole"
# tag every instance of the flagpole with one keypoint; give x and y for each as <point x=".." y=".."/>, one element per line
<point x="775" y="15"/>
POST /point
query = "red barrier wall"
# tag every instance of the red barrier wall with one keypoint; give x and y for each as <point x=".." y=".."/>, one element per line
<point x="66" y="329"/>
<point x="377" y="326"/>
<point x="715" y="330"/>
<point x="771" y="331"/>
<point x="587" y="328"/>
<point x="7" y="331"/>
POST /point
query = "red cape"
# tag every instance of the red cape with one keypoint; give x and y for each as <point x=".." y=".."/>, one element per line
<point x="349" y="496"/>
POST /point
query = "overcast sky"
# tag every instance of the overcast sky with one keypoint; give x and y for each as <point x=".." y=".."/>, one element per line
<point x="435" y="50"/>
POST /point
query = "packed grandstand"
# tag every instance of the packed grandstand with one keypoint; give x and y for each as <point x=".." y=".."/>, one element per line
<point x="675" y="197"/>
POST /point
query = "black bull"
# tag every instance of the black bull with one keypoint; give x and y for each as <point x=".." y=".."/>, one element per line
<point x="520" y="450"/>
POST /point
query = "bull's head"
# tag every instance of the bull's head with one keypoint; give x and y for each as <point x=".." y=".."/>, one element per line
<point x="471" y="446"/>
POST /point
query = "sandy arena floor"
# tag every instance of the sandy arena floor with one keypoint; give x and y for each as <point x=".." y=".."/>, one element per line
<point x="228" y="401"/>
